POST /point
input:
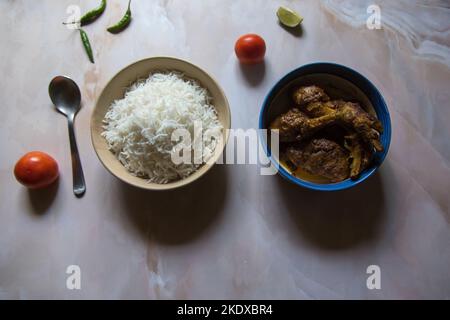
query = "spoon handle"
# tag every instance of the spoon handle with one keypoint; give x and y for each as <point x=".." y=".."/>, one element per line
<point x="79" y="186"/>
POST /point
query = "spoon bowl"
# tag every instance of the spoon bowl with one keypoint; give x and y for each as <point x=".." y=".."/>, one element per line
<point x="65" y="95"/>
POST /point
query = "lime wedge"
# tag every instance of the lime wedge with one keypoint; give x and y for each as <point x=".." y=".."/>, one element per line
<point x="288" y="17"/>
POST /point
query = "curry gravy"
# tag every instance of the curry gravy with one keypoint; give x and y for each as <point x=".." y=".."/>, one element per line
<point x="300" y="173"/>
<point x="334" y="133"/>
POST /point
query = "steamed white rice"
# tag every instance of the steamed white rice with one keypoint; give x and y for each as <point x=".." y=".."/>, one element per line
<point x="139" y="127"/>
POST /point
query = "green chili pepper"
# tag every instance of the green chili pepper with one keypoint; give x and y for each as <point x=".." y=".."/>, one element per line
<point x="123" y="23"/>
<point x="87" y="45"/>
<point x="92" y="15"/>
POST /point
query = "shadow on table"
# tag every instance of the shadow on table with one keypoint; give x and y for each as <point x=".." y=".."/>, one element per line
<point x="296" y="31"/>
<point x="42" y="199"/>
<point x="336" y="220"/>
<point x="178" y="216"/>
<point x="253" y="73"/>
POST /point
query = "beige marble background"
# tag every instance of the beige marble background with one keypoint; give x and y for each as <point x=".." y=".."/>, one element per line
<point x="234" y="234"/>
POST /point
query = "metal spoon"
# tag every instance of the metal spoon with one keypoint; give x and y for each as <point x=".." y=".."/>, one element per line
<point x="66" y="97"/>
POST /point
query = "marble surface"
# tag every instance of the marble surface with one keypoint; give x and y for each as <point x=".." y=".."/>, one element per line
<point x="234" y="234"/>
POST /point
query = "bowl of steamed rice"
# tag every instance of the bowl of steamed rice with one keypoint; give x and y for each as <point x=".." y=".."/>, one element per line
<point x="160" y="123"/>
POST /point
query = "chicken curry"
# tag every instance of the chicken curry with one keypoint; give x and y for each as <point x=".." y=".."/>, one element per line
<point x="324" y="140"/>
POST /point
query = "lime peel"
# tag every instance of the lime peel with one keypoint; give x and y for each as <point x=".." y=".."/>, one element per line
<point x="289" y="17"/>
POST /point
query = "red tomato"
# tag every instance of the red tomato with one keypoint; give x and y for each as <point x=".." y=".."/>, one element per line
<point x="36" y="170"/>
<point x="250" y="48"/>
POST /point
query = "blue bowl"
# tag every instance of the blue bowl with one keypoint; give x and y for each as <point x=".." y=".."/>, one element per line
<point x="339" y="82"/>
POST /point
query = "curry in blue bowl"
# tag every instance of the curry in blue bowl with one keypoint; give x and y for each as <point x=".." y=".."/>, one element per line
<point x="332" y="124"/>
